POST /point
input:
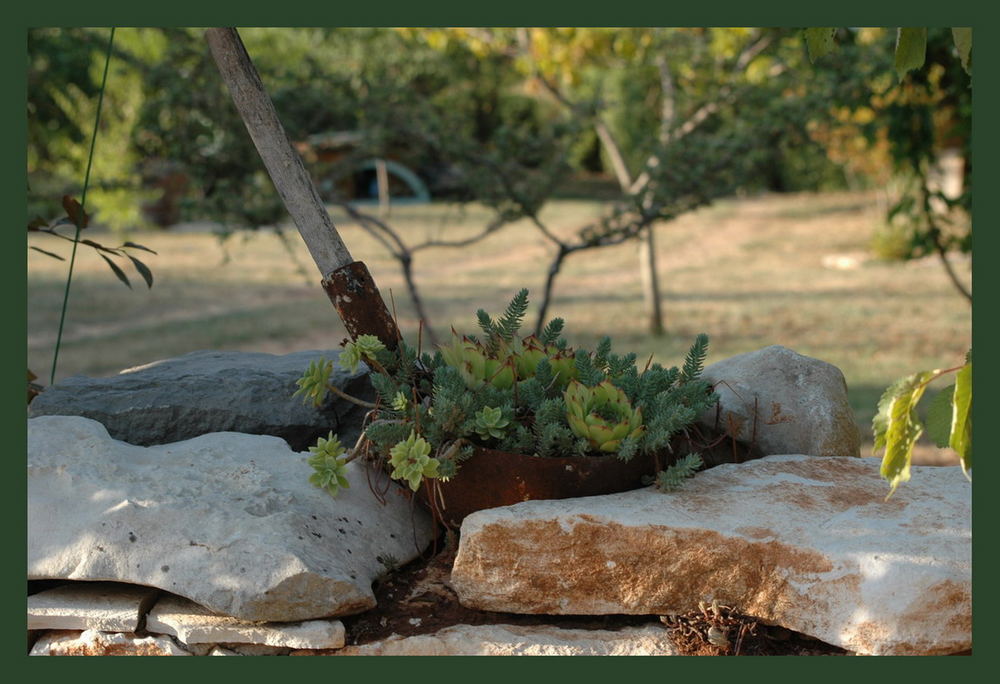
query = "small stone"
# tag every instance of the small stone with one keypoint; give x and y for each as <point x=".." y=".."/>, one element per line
<point x="468" y="640"/>
<point x="103" y="606"/>
<point x="194" y="624"/>
<point x="92" y="642"/>
<point x="784" y="402"/>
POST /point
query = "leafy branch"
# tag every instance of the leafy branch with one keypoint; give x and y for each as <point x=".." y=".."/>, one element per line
<point x="896" y="426"/>
<point x="77" y="217"/>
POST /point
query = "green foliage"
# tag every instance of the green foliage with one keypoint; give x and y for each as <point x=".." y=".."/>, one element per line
<point x="552" y="401"/>
<point x="411" y="461"/>
<point x="911" y="49"/>
<point x="328" y="464"/>
<point x="694" y="362"/>
<point x="503" y="329"/>
<point x="77" y="217"/>
<point x="365" y="347"/>
<point x="602" y="415"/>
<point x="896" y="425"/>
<point x="963" y="41"/>
<point x="551" y="332"/>
<point x="491" y="422"/>
<point x="819" y="41"/>
<point x="314" y="381"/>
<point x="673" y="477"/>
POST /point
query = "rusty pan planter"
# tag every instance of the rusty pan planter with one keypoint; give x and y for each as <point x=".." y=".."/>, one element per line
<point x="492" y="478"/>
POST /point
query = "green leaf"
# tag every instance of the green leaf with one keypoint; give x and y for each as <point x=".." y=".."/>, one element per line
<point x="911" y="49"/>
<point x="902" y="428"/>
<point x="143" y="270"/>
<point x="135" y="245"/>
<point x="98" y="246"/>
<point x="961" y="425"/>
<point x="51" y="254"/>
<point x="819" y="41"/>
<point x="963" y="42"/>
<point x="939" y="415"/>
<point x="118" y="272"/>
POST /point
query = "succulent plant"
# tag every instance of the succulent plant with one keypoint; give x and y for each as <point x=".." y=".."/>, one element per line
<point x="400" y="402"/>
<point x="476" y="365"/>
<point x="411" y="461"/>
<point x="490" y="422"/>
<point x="330" y="468"/>
<point x="312" y="384"/>
<point x="363" y="348"/>
<point x="601" y="414"/>
<point x="532" y="351"/>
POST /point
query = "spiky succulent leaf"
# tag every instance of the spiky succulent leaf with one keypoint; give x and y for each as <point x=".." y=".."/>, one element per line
<point x="551" y="332"/>
<point x="694" y="362"/>
<point x="673" y="477"/>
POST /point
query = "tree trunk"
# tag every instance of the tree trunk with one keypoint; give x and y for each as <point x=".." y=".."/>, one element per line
<point x="651" y="281"/>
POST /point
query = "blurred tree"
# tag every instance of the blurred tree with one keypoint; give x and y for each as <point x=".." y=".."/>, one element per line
<point x="913" y="116"/>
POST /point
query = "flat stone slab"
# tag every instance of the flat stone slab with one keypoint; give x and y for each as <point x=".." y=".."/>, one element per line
<point x="807" y="543"/>
<point x="194" y="624"/>
<point x="212" y="391"/>
<point x="94" y="643"/>
<point x="783" y="402"/>
<point x="227" y="520"/>
<point x="103" y="606"/>
<point x="468" y="640"/>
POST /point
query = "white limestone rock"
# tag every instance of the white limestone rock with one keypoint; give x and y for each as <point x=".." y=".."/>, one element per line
<point x="468" y="640"/>
<point x="785" y="402"/>
<point x="227" y="520"/>
<point x="103" y="606"/>
<point x="194" y="624"/>
<point x="807" y="543"/>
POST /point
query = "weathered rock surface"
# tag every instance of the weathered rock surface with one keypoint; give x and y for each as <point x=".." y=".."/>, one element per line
<point x="193" y="624"/>
<point x="93" y="642"/>
<point x="227" y="520"/>
<point x="806" y="543"/>
<point x="103" y="606"/>
<point x="466" y="640"/>
<point x="211" y="391"/>
<point x="785" y="402"/>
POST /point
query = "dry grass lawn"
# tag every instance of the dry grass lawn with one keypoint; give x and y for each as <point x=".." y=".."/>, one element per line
<point x="792" y="270"/>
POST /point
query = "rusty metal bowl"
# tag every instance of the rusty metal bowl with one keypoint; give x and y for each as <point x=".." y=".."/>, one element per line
<point x="492" y="478"/>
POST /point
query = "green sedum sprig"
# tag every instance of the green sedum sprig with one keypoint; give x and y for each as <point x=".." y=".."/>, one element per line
<point x="671" y="479"/>
<point x="330" y="467"/>
<point x="313" y="383"/>
<point x="411" y="461"/>
<point x="490" y="422"/>
<point x="365" y="348"/>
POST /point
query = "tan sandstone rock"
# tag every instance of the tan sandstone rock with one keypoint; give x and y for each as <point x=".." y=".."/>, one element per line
<point x="809" y="544"/>
<point x="91" y="642"/>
